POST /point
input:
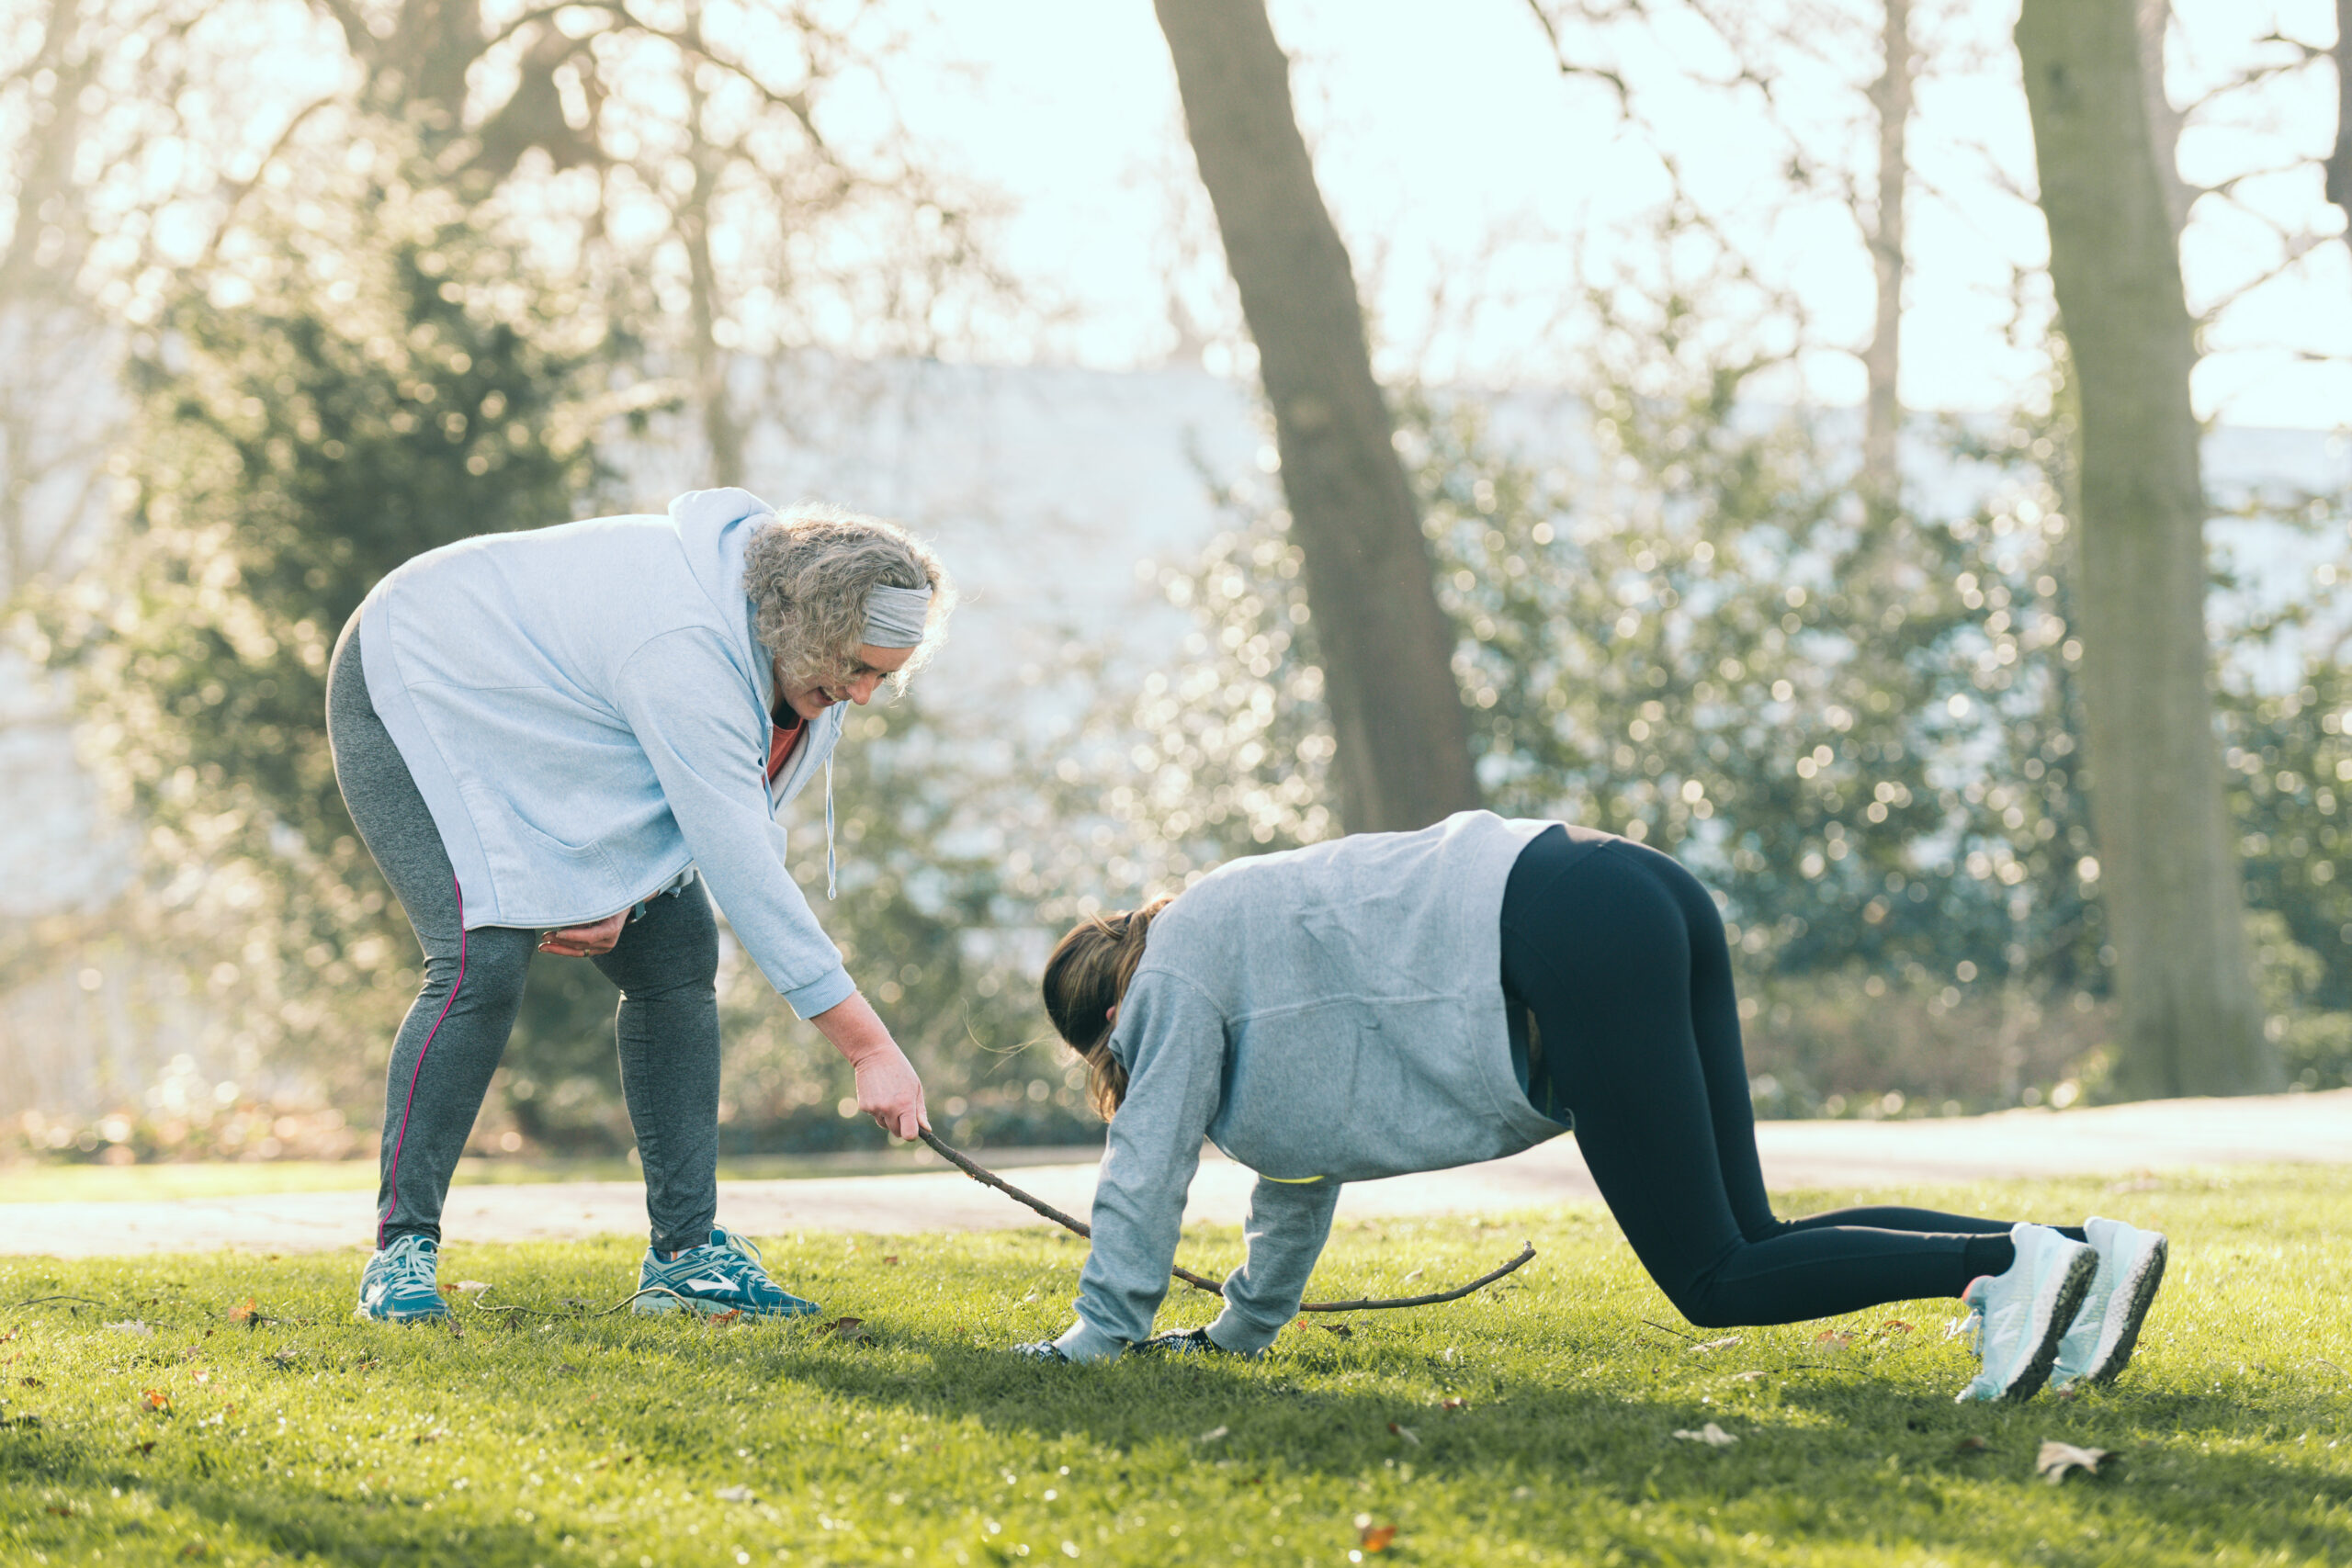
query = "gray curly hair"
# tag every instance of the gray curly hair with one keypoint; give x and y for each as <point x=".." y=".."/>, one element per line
<point x="808" y="574"/>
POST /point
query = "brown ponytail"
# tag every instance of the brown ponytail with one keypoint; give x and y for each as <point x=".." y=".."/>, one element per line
<point x="1084" y="979"/>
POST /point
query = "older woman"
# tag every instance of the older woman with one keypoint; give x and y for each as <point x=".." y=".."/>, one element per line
<point x="554" y="740"/>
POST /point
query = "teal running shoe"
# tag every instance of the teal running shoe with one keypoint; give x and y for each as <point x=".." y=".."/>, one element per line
<point x="723" y="1275"/>
<point x="397" y="1286"/>
<point x="2019" y="1316"/>
<point x="2131" y="1266"/>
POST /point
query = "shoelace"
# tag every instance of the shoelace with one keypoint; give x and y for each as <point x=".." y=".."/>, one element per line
<point x="735" y="1257"/>
<point x="408" y="1265"/>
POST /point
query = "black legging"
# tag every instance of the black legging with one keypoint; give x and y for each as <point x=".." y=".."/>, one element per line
<point x="1620" y="954"/>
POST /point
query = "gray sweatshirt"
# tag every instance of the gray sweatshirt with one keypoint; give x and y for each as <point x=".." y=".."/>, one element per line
<point x="1324" y="1015"/>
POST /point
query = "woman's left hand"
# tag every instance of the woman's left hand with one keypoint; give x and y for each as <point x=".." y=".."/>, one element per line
<point x="585" y="941"/>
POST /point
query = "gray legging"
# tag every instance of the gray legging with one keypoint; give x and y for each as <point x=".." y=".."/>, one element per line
<point x="666" y="964"/>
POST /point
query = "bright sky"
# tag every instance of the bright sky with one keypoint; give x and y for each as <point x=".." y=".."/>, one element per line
<point x="1455" y="157"/>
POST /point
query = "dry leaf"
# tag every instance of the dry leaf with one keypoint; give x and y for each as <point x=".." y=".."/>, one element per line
<point x="2056" y="1460"/>
<point x="1702" y="1350"/>
<point x="732" y="1314"/>
<point x="1413" y="1276"/>
<point x="1403" y="1432"/>
<point x="1896" y="1326"/>
<point x="735" y="1494"/>
<point x="1454" y="1401"/>
<point x="146" y="1446"/>
<point x="29" y="1382"/>
<point x="1830" y="1340"/>
<point x="1214" y="1434"/>
<point x="850" y="1328"/>
<point x="132" y="1325"/>
<point x="243" y="1312"/>
<point x="471" y="1285"/>
<point x="1341" y="1329"/>
<point x="1970" y="1446"/>
<point x="1715" y="1437"/>
<point x="434" y="1435"/>
<point x="156" y="1399"/>
<point x="1376" y="1538"/>
<point x="893" y="1257"/>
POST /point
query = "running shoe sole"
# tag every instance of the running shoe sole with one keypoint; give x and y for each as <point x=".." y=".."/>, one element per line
<point x="2053" y="1316"/>
<point x="654" y="1300"/>
<point x="2127" y="1309"/>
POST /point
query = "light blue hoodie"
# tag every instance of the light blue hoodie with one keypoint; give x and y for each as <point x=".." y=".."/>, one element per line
<point x="1323" y="1015"/>
<point x="585" y="709"/>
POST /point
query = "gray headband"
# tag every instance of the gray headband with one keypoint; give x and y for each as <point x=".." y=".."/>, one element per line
<point x="894" y="617"/>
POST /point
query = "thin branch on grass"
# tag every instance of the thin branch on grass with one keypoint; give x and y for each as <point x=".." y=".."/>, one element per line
<point x="37" y="1301"/>
<point x="987" y="1177"/>
<point x="1676" y="1331"/>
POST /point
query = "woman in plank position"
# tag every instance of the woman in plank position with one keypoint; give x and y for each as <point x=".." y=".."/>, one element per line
<point x="552" y="740"/>
<point x="1397" y="1002"/>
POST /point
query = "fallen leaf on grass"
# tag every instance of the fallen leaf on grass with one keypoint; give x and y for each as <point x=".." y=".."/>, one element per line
<point x="1701" y="1349"/>
<point x="1715" y="1437"/>
<point x="1454" y="1401"/>
<point x="735" y="1494"/>
<point x="1341" y="1329"/>
<point x="146" y="1446"/>
<point x="1403" y="1432"/>
<point x="1376" y="1538"/>
<point x="437" y="1433"/>
<point x="243" y="1312"/>
<point x="132" y="1325"/>
<point x="732" y="1314"/>
<point x="1970" y="1446"/>
<point x="892" y="1257"/>
<point x="29" y="1382"/>
<point x="156" y="1399"/>
<point x="1214" y="1434"/>
<point x="1896" y="1326"/>
<point x="1830" y="1340"/>
<point x="285" y="1360"/>
<point x="471" y="1285"/>
<point x="850" y="1328"/>
<point x="2056" y="1461"/>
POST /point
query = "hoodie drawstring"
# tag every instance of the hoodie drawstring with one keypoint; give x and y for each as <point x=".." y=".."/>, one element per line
<point x="830" y="867"/>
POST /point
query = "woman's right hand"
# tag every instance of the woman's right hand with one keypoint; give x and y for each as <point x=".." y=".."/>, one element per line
<point x="889" y="1091"/>
<point x="887" y="1088"/>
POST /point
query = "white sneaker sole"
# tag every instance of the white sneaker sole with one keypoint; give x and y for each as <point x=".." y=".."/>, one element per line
<point x="2127" y="1309"/>
<point x="654" y="1302"/>
<point x="2054" y="1311"/>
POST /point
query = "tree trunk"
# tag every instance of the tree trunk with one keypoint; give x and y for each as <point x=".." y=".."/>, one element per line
<point x="1386" y="647"/>
<point x="2154" y="20"/>
<point x="2190" y="1022"/>
<point x="2339" y="159"/>
<point x="1890" y="98"/>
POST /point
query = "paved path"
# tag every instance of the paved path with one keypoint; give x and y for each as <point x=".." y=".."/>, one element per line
<point x="2113" y="1141"/>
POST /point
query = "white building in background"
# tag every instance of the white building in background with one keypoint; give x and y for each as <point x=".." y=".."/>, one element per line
<point x="1041" y="488"/>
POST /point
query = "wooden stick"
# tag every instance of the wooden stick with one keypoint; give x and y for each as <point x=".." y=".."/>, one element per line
<point x="987" y="1177"/>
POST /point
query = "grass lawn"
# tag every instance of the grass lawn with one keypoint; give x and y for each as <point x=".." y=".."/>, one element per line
<point x="1534" y="1421"/>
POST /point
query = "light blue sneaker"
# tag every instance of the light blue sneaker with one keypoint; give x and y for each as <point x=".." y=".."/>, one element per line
<point x="397" y="1285"/>
<point x="2019" y="1316"/>
<point x="2131" y="1266"/>
<point x="723" y="1275"/>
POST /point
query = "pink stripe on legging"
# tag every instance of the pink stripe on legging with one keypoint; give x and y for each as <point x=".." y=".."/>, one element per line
<point x="392" y="1182"/>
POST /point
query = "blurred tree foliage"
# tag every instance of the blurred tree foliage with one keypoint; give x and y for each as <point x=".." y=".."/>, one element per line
<point x="365" y="374"/>
<point x="1861" y="728"/>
